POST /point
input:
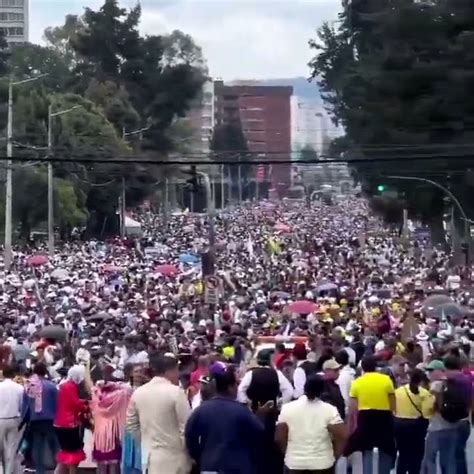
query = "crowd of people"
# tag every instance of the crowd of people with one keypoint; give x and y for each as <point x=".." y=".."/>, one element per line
<point x="309" y="340"/>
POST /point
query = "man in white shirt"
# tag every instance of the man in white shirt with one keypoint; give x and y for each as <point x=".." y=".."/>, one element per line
<point x="346" y="376"/>
<point x="262" y="386"/>
<point x="11" y="400"/>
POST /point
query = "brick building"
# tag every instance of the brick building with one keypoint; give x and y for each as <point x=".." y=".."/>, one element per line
<point x="264" y="114"/>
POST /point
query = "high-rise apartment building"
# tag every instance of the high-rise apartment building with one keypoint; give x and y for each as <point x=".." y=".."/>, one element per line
<point x="14" y="20"/>
<point x="264" y="115"/>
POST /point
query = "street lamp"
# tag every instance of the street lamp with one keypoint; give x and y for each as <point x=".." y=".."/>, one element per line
<point x="455" y="200"/>
<point x="9" y="177"/>
<point x="52" y="115"/>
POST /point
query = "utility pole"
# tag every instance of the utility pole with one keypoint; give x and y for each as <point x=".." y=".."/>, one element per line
<point x="123" y="211"/>
<point x="210" y="210"/>
<point x="165" y="204"/>
<point x="9" y="174"/>
<point x="229" y="184"/>
<point x="222" y="187"/>
<point x="122" y="198"/>
<point x="240" y="183"/>
<point x="9" y="178"/>
<point x="52" y="115"/>
<point x="50" y="184"/>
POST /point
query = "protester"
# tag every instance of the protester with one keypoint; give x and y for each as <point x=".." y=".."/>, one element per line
<point x="332" y="392"/>
<point x="70" y="413"/>
<point x="345" y="378"/>
<point x="224" y="436"/>
<point x="304" y="368"/>
<point x="351" y="287"/>
<point x="157" y="415"/>
<point x="131" y="452"/>
<point x="109" y="411"/>
<point x="11" y="401"/>
<point x="372" y="404"/>
<point x="310" y="432"/>
<point x="413" y="409"/>
<point x="449" y="427"/>
<point x="39" y="411"/>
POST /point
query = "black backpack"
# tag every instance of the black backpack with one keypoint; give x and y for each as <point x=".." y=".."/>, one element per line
<point x="453" y="405"/>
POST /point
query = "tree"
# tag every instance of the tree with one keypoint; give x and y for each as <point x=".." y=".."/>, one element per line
<point x="228" y="143"/>
<point x="31" y="59"/>
<point x="4" y="54"/>
<point x="308" y="153"/>
<point x="396" y="75"/>
<point x="60" y="38"/>
<point x="30" y="207"/>
<point x="110" y="48"/>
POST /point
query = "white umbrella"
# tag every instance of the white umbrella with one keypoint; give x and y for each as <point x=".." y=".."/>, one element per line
<point x="60" y="274"/>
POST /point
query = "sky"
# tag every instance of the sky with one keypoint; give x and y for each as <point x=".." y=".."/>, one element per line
<point x="241" y="39"/>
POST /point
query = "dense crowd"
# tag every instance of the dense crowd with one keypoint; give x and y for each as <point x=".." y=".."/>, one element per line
<point x="307" y="340"/>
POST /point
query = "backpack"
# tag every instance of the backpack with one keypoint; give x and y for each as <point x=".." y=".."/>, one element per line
<point x="453" y="405"/>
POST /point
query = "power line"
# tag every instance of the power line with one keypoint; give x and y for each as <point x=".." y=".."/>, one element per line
<point x="133" y="160"/>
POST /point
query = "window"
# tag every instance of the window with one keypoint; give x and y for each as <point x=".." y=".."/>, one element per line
<point x="9" y="32"/>
<point x="9" y="16"/>
<point x="12" y="3"/>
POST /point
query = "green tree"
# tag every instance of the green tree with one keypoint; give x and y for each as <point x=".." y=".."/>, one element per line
<point x="161" y="88"/>
<point x="308" y="153"/>
<point x="396" y="76"/>
<point x="228" y="143"/>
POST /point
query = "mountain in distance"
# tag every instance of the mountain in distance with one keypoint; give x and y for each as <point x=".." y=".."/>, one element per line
<point x="301" y="86"/>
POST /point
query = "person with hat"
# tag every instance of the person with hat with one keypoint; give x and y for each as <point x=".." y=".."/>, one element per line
<point x="260" y="386"/>
<point x="304" y="368"/>
<point x="332" y="392"/>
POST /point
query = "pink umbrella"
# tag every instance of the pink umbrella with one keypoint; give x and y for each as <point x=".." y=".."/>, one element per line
<point x="280" y="227"/>
<point x="167" y="270"/>
<point x="302" y="307"/>
<point x="37" y="260"/>
<point x="112" y="269"/>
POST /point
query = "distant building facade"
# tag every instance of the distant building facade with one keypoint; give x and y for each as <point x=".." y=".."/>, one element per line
<point x="308" y="124"/>
<point x="201" y="119"/>
<point x="14" y="20"/>
<point x="264" y="115"/>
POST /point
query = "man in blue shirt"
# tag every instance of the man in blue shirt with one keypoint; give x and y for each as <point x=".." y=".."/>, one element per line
<point x="39" y="409"/>
<point x="222" y="435"/>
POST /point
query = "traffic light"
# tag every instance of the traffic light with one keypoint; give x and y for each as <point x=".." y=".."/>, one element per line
<point x="193" y="182"/>
<point x="381" y="188"/>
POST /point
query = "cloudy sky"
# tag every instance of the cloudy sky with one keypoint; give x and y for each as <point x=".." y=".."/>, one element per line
<point x="241" y="39"/>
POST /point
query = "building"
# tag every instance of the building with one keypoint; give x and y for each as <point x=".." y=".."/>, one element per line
<point x="307" y="124"/>
<point x="14" y="20"/>
<point x="264" y="115"/>
<point x="311" y="127"/>
<point x="201" y="120"/>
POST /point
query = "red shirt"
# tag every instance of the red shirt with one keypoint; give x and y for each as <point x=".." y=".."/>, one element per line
<point x="196" y="375"/>
<point x="69" y="406"/>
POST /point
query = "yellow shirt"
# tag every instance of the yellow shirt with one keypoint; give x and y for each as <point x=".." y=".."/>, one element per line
<point x="372" y="391"/>
<point x="405" y="409"/>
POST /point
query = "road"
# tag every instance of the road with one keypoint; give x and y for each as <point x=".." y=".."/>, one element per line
<point x="88" y="464"/>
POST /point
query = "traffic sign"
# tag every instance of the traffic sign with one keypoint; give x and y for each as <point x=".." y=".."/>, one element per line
<point x="211" y="294"/>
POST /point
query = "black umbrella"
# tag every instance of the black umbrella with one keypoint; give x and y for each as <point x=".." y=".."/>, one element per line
<point x="453" y="310"/>
<point x="435" y="300"/>
<point x="99" y="317"/>
<point x="58" y="333"/>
